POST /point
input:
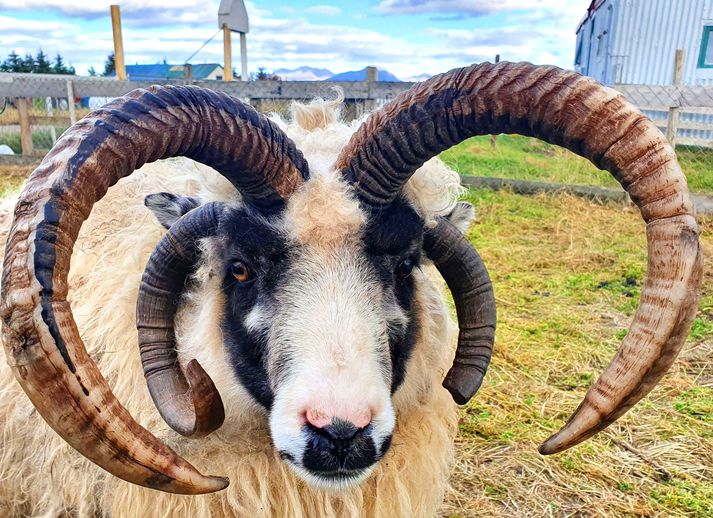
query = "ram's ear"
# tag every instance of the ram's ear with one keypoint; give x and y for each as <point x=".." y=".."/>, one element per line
<point x="168" y="208"/>
<point x="462" y="216"/>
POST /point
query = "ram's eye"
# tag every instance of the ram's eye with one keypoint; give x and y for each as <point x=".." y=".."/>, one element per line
<point x="405" y="268"/>
<point x="240" y="271"/>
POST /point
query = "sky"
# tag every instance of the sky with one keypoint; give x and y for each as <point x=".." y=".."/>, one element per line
<point x="405" y="37"/>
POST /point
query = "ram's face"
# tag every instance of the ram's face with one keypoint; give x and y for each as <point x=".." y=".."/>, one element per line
<point x="319" y="324"/>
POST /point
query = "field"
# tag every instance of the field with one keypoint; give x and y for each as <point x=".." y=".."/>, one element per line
<point x="530" y="159"/>
<point x="567" y="274"/>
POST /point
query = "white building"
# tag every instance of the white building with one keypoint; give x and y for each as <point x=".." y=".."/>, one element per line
<point x="635" y="41"/>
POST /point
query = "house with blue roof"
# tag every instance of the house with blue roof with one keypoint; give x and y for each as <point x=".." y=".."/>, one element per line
<point x="163" y="71"/>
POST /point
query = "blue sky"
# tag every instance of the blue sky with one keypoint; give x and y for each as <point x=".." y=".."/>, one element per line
<point x="406" y="37"/>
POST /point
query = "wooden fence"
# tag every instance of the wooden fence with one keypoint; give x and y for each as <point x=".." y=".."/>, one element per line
<point x="21" y="87"/>
<point x="685" y="111"/>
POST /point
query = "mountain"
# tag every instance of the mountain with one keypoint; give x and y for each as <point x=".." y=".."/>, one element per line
<point x="360" y="75"/>
<point x="416" y="79"/>
<point x="303" y="74"/>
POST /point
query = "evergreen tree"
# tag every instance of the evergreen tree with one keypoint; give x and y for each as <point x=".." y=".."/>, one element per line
<point x="42" y="64"/>
<point x="109" y="66"/>
<point x="28" y="64"/>
<point x="92" y="72"/>
<point x="38" y="65"/>
<point x="263" y="75"/>
<point x="60" y="68"/>
<point x="12" y="63"/>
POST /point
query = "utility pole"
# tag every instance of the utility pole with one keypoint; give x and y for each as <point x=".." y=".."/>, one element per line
<point x="118" y="43"/>
<point x="232" y="16"/>
<point x="227" y="55"/>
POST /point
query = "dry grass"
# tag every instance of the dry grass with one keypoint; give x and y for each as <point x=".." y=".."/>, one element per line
<point x="567" y="275"/>
<point x="12" y="177"/>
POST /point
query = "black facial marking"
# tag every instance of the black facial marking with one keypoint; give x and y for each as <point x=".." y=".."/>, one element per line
<point x="393" y="242"/>
<point x="251" y="240"/>
<point x="168" y="207"/>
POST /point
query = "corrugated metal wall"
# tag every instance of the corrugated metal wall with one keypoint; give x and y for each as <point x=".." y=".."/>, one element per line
<point x="635" y="41"/>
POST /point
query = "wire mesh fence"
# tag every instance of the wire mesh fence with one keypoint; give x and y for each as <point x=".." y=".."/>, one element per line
<point x="48" y="106"/>
<point x="685" y="115"/>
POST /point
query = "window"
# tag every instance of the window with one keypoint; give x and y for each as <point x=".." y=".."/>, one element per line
<point x="705" y="59"/>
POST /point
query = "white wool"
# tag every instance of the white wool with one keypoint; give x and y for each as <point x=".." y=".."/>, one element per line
<point x="40" y="475"/>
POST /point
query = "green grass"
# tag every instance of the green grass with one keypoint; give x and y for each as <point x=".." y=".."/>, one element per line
<point x="567" y="275"/>
<point x="525" y="158"/>
<point x="41" y="140"/>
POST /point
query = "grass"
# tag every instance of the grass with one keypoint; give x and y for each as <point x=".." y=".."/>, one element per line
<point x="567" y="275"/>
<point x="529" y="159"/>
<point x="13" y="176"/>
<point x="41" y="140"/>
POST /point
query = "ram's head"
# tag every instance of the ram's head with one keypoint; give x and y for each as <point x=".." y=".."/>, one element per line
<point x="319" y="276"/>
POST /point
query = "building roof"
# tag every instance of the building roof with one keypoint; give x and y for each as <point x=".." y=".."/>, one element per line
<point x="160" y="71"/>
<point x="593" y="6"/>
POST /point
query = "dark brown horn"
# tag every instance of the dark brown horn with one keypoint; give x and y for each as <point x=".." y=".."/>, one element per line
<point x="191" y="407"/>
<point x="567" y="109"/>
<point x="41" y="339"/>
<point x="469" y="283"/>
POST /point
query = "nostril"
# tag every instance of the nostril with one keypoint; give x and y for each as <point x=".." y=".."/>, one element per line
<point x="317" y="418"/>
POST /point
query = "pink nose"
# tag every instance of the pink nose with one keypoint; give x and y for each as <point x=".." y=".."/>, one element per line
<point x="320" y="418"/>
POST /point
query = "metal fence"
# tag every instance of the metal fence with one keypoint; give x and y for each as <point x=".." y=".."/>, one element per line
<point x="38" y="108"/>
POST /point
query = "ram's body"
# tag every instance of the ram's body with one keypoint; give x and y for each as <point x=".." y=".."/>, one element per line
<point x="41" y="475"/>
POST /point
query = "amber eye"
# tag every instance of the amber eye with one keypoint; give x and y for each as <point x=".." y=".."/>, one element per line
<point x="405" y="268"/>
<point x="240" y="271"/>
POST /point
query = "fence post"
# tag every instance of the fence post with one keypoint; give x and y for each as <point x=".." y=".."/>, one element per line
<point x="674" y="112"/>
<point x="118" y="43"/>
<point x="25" y="127"/>
<point x="372" y="76"/>
<point x="70" y="102"/>
<point x="494" y="138"/>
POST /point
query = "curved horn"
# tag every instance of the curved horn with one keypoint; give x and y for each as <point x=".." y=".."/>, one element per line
<point x="191" y="407"/>
<point x="575" y="112"/>
<point x="41" y="339"/>
<point x="469" y="283"/>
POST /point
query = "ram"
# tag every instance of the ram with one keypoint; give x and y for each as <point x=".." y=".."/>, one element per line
<point x="293" y="307"/>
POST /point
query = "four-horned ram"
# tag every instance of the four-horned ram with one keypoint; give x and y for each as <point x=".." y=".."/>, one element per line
<point x="297" y="307"/>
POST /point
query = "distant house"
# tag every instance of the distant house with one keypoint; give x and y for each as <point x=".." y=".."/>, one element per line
<point x="635" y="41"/>
<point x="161" y="71"/>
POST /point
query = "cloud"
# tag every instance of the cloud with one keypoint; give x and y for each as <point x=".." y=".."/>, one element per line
<point x="469" y="7"/>
<point x="282" y="39"/>
<point x="326" y="10"/>
<point x="156" y="12"/>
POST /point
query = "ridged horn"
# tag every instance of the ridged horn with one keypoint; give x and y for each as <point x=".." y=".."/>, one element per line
<point x="469" y="283"/>
<point x="42" y="342"/>
<point x="576" y="112"/>
<point x="192" y="407"/>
